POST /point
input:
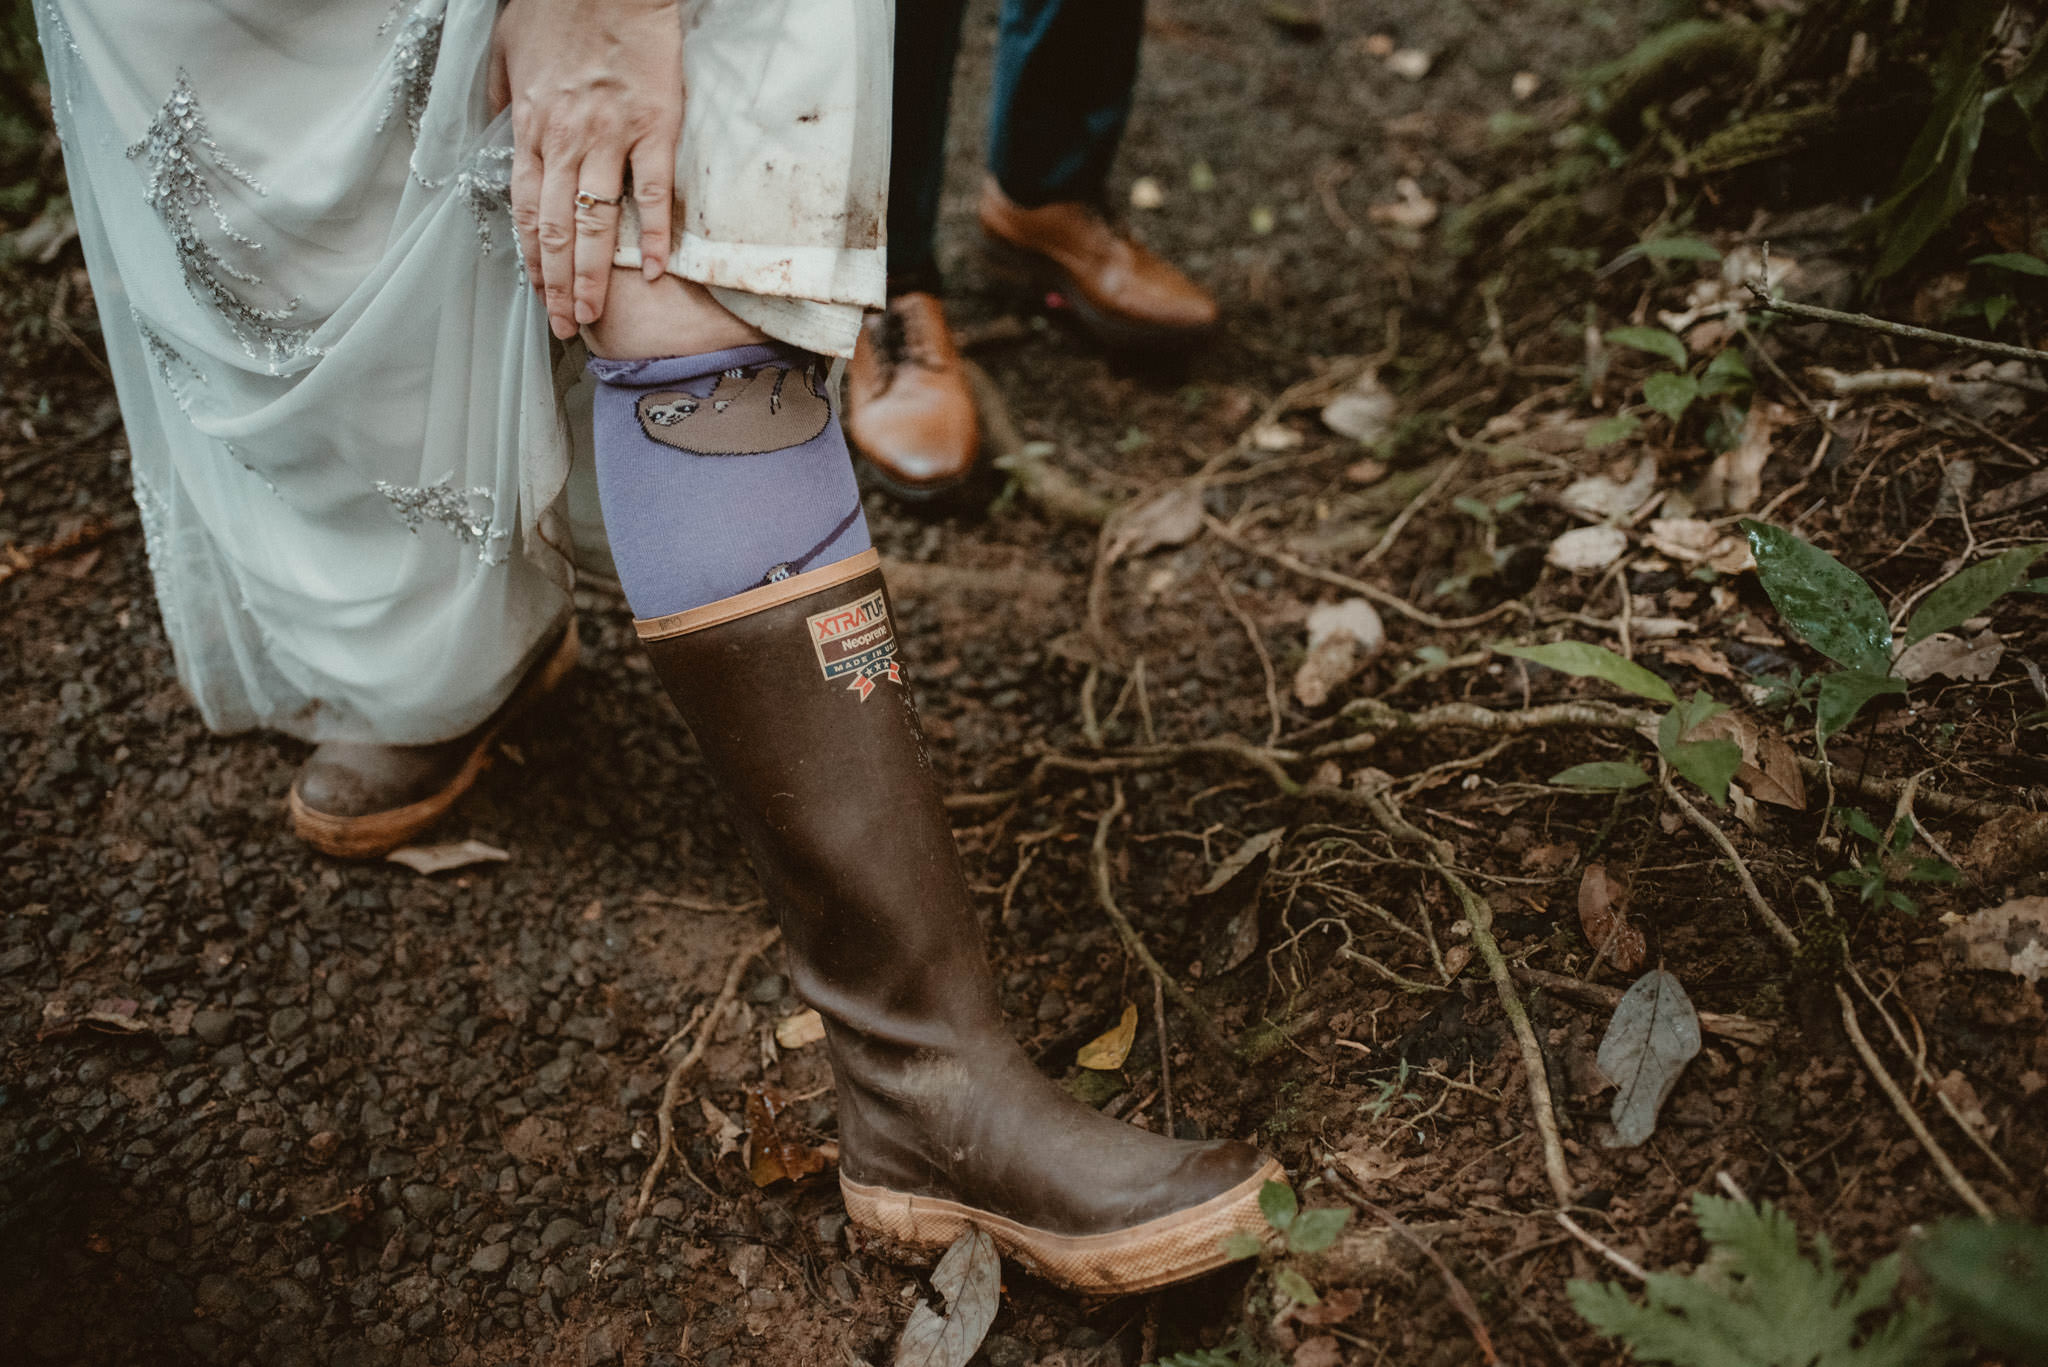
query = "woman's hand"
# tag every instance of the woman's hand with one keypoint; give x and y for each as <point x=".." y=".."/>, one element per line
<point x="594" y="86"/>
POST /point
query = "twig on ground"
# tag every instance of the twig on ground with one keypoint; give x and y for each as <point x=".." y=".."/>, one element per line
<point x="1105" y="895"/>
<point x="671" y="1092"/>
<point x="1741" y="1029"/>
<point x="1251" y="631"/>
<point x="1461" y="1298"/>
<point x="1918" y="1058"/>
<point x="1165" y="1064"/>
<point x="1594" y="1242"/>
<point x="1364" y="590"/>
<point x="1957" y="1183"/>
<point x="1870" y="324"/>
<point x="1452" y="469"/>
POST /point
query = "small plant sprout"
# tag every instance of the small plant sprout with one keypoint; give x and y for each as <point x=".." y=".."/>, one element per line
<point x="1301" y="1232"/>
<point x="1885" y="860"/>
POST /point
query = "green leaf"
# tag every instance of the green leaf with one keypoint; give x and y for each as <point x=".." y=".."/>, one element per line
<point x="1656" y="341"/>
<point x="1822" y="599"/>
<point x="1473" y="508"/>
<point x="1996" y="308"/>
<point x="1591" y="661"/>
<point x="1670" y="393"/>
<point x="1315" y="1230"/>
<point x="1602" y="774"/>
<point x="1677" y="249"/>
<point x="1934" y="181"/>
<point x="2020" y="262"/>
<point x="1968" y="592"/>
<point x="1859" y="824"/>
<point x="1709" y="763"/>
<point x="1842" y="695"/>
<point x="1242" y="1245"/>
<point x="1727" y="373"/>
<point x="1277" y="1204"/>
<point x="1994" y="1278"/>
<point x="1294" y="1286"/>
<point x="1608" y="431"/>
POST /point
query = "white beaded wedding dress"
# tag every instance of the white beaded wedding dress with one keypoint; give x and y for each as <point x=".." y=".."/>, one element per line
<point x="349" y="449"/>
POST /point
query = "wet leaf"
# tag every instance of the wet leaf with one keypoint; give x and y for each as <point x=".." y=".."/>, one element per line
<point x="773" y="1158"/>
<point x="1603" y="915"/>
<point x="1241" y="859"/>
<point x="1653" y="1034"/>
<point x="441" y="858"/>
<point x="1656" y="341"/>
<point x="1967" y="593"/>
<point x="2009" y="938"/>
<point x="1591" y="661"/>
<point x="1842" y="695"/>
<point x="1602" y="774"/>
<point x="1107" y="1051"/>
<point x="969" y="1280"/>
<point x="1825" y="601"/>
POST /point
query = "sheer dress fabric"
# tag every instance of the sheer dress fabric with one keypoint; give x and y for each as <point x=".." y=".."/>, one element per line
<point x="348" y="443"/>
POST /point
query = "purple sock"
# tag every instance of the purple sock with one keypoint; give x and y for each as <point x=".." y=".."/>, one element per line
<point x="719" y="473"/>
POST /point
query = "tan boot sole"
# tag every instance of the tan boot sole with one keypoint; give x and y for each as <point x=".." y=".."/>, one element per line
<point x="1144" y="1257"/>
<point x="378" y="833"/>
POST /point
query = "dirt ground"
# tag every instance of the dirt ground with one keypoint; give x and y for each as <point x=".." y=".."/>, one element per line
<point x="260" y="1106"/>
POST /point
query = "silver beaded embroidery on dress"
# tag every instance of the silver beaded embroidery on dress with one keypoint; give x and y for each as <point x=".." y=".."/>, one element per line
<point x="177" y="189"/>
<point x="455" y="509"/>
<point x="485" y="184"/>
<point x="413" y="54"/>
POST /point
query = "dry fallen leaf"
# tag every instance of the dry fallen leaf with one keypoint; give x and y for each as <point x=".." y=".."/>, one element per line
<point x="1588" y="548"/>
<point x="1769" y="770"/>
<point x="1603" y="915"/>
<point x="1106" y="1052"/>
<point x="805" y="1027"/>
<point x="1654" y="1033"/>
<point x="1734" y="481"/>
<point x="1171" y="519"/>
<point x="1364" y="411"/>
<point x="1948" y="656"/>
<point x="1705" y="659"/>
<point x="1146" y="193"/>
<point x="1341" y="638"/>
<point x="459" y="854"/>
<point x="1413" y="211"/>
<point x="2010" y="938"/>
<point x="1602" y="496"/>
<point x="771" y="1158"/>
<point x="725" y="1132"/>
<point x="1370" y="1165"/>
<point x="1696" y="542"/>
<point x="969" y="1280"/>
<point x="1410" y="63"/>
<point x="1241" y="859"/>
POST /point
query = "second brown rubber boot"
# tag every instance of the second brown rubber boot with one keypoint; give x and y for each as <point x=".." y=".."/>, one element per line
<point x="797" y="700"/>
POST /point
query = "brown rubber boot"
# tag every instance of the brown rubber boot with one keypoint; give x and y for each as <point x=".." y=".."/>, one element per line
<point x="909" y="407"/>
<point x="1123" y="293"/>
<point x="360" y="801"/>
<point x="794" y="693"/>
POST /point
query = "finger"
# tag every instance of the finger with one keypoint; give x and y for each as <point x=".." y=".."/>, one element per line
<point x="556" y="233"/>
<point x="498" y="86"/>
<point x="525" y="191"/>
<point x="654" y="194"/>
<point x="597" y="235"/>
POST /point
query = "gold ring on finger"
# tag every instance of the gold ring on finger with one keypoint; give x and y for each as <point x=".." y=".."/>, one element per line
<point x="586" y="200"/>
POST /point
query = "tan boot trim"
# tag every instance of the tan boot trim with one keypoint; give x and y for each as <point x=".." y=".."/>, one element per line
<point x="1157" y="1253"/>
<point x="757" y="600"/>
<point x="378" y="833"/>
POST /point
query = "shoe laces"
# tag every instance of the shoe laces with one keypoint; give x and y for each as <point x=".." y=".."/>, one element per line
<point x="903" y="342"/>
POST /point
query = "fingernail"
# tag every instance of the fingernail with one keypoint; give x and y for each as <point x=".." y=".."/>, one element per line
<point x="562" y="328"/>
<point x="586" y="312"/>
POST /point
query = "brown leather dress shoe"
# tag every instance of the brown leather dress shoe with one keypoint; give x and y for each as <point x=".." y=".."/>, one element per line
<point x="1124" y="294"/>
<point x="360" y="801"/>
<point x="909" y="408"/>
